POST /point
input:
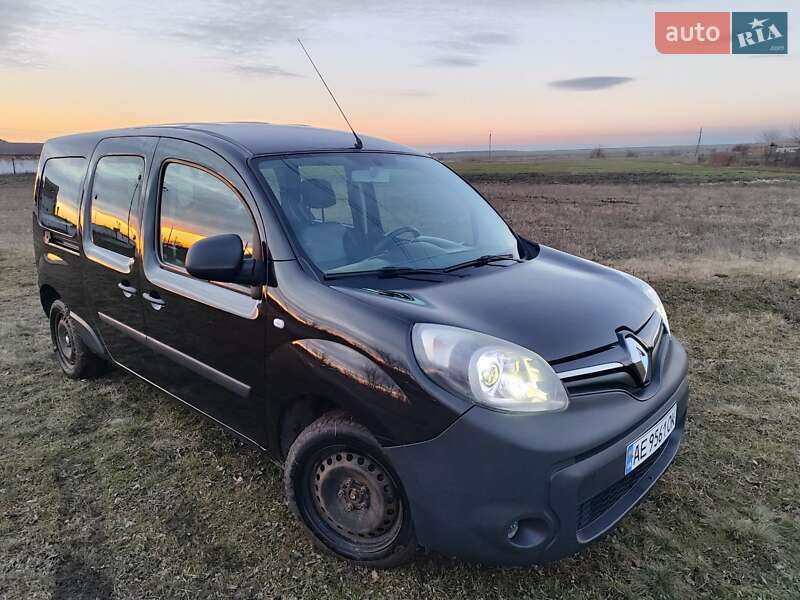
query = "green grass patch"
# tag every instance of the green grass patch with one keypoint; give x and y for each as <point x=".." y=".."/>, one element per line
<point x="618" y="170"/>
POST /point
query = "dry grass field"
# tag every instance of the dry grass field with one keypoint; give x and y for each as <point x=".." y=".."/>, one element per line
<point x="108" y="488"/>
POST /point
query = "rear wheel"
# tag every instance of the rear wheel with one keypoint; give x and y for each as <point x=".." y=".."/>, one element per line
<point x="73" y="355"/>
<point x="339" y="483"/>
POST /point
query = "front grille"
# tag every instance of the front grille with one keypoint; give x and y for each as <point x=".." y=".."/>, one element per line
<point x="597" y="505"/>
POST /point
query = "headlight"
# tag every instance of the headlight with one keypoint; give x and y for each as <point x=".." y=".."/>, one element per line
<point x="488" y="370"/>
<point x="651" y="293"/>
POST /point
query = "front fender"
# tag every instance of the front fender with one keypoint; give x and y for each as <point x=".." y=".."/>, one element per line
<point x="350" y="380"/>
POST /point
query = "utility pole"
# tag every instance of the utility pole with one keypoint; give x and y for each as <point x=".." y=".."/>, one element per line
<point x="697" y="148"/>
<point x="490" y="145"/>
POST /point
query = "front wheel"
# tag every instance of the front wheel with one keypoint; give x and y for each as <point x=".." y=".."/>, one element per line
<point x="340" y="486"/>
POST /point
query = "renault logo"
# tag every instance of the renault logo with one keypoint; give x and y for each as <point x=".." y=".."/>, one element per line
<point x="640" y="359"/>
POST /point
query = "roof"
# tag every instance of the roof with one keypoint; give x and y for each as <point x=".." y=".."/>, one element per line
<point x="19" y="149"/>
<point x="254" y="138"/>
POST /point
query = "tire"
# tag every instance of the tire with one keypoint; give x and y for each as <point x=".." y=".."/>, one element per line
<point x="73" y="355"/>
<point x="349" y="500"/>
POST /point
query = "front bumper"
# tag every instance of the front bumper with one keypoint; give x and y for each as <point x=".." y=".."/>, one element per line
<point x="560" y="476"/>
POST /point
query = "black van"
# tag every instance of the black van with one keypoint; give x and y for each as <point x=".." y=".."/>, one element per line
<point x="428" y="377"/>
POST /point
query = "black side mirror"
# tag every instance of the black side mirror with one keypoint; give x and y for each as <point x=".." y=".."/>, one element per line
<point x="221" y="258"/>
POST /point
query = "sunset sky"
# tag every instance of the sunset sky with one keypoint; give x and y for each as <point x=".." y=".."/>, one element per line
<point x="435" y="75"/>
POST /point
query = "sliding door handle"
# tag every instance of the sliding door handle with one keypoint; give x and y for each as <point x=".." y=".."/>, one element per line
<point x="127" y="290"/>
<point x="155" y="301"/>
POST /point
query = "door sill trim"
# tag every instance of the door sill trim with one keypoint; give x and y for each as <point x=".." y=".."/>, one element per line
<point x="194" y="408"/>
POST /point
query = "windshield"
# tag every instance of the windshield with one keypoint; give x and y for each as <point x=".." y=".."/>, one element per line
<point x="354" y="212"/>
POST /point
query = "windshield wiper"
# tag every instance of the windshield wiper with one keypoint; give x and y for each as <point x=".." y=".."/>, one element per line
<point x="482" y="260"/>
<point x="387" y="272"/>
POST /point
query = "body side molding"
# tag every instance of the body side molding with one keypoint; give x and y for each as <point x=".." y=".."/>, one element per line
<point x="229" y="383"/>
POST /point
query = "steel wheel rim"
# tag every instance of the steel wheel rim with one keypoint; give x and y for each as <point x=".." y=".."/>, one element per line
<point x="64" y="340"/>
<point x="354" y="500"/>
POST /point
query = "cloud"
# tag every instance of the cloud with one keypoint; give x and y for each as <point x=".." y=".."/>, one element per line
<point x="242" y="36"/>
<point x="475" y="43"/>
<point x="454" y="61"/>
<point x="265" y="71"/>
<point x="19" y="17"/>
<point x="467" y="49"/>
<point x="586" y="84"/>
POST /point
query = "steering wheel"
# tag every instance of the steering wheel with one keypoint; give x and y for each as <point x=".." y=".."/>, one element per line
<point x="391" y="237"/>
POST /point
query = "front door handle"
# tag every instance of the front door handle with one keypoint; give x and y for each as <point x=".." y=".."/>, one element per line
<point x="127" y="290"/>
<point x="155" y="301"/>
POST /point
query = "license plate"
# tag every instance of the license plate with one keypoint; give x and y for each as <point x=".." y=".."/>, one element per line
<point x="640" y="450"/>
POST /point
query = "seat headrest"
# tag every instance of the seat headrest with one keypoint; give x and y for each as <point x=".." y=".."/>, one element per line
<point x="317" y="193"/>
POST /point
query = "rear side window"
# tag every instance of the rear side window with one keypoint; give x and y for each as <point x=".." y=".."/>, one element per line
<point x="117" y="180"/>
<point x="61" y="193"/>
<point x="196" y="204"/>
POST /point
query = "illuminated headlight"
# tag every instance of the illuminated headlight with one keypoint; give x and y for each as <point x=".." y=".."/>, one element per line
<point x="488" y="370"/>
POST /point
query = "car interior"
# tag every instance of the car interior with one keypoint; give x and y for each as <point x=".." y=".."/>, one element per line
<point x="346" y="232"/>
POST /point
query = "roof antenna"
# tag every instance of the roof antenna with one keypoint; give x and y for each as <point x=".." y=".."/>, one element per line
<point x="359" y="144"/>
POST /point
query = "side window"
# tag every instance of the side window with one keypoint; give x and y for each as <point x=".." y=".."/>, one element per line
<point x="117" y="180"/>
<point x="195" y="205"/>
<point x="60" y="192"/>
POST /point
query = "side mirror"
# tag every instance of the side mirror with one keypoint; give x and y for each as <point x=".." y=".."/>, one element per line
<point x="221" y="258"/>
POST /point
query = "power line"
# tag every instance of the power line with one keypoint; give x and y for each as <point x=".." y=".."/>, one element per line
<point x="699" y="138"/>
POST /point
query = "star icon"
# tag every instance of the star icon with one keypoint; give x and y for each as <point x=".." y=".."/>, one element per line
<point x="757" y="23"/>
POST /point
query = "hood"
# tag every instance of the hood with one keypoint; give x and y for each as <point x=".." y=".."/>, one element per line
<point x="557" y="305"/>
